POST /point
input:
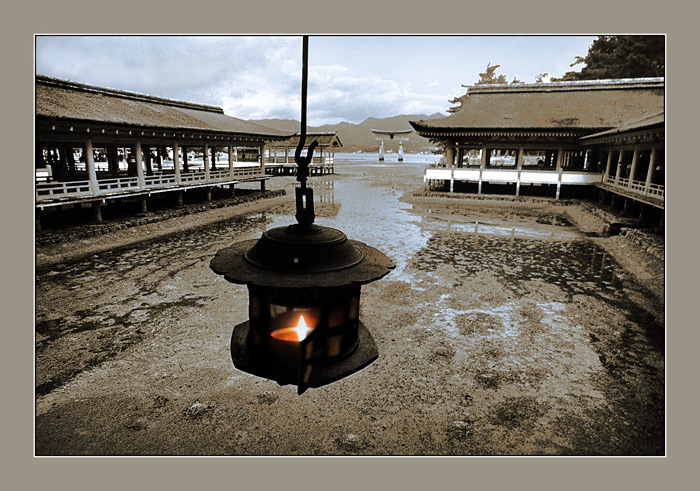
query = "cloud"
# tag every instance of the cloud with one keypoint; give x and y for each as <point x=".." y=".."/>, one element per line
<point x="203" y="69"/>
<point x="335" y="95"/>
<point x="254" y="77"/>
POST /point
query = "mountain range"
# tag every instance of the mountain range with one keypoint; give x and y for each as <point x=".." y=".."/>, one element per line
<point x="359" y="137"/>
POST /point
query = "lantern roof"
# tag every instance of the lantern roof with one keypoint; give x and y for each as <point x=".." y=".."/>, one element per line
<point x="299" y="256"/>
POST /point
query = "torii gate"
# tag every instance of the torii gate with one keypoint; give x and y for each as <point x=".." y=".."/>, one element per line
<point x="391" y="134"/>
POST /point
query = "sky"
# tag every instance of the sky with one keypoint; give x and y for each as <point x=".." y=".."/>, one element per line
<point x="351" y="78"/>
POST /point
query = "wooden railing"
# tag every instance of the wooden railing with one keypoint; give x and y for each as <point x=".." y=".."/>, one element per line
<point x="118" y="183"/>
<point x="193" y="178"/>
<point x="526" y="176"/>
<point x="656" y="190"/>
<point x="46" y="191"/>
<point x="62" y="189"/>
<point x="160" y="180"/>
<point x="638" y="187"/>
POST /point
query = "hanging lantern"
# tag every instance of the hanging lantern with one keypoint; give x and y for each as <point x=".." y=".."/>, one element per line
<point x="304" y="284"/>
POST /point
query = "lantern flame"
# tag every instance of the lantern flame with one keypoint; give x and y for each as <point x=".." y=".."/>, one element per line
<point x="302" y="329"/>
<point x="296" y="334"/>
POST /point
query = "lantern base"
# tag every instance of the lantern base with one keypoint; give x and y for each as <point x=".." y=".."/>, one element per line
<point x="323" y="374"/>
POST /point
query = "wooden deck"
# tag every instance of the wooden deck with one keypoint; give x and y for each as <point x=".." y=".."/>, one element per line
<point x="53" y="193"/>
<point x="649" y="193"/>
<point x="290" y="169"/>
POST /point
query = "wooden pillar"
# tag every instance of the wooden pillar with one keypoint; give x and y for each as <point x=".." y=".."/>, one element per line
<point x="207" y="195"/>
<point x="90" y="163"/>
<point x="130" y="158"/>
<point x="519" y="165"/>
<point x="144" y="204"/>
<point x="607" y="165"/>
<point x="560" y="171"/>
<point x="650" y="171"/>
<point x="635" y="156"/>
<point x="176" y="165"/>
<point x="113" y="160"/>
<point x="449" y="156"/>
<point x="185" y="167"/>
<point x="139" y="165"/>
<point x="61" y="168"/>
<point x="619" y="166"/>
<point x="482" y="166"/>
<point x="37" y="219"/>
<point x="159" y="158"/>
<point x="627" y="206"/>
<point x="97" y="211"/>
<point x="262" y="167"/>
<point x="178" y="198"/>
<point x="643" y="212"/>
<point x="147" y="158"/>
<point x="213" y="158"/>
<point x="230" y="162"/>
<point x="70" y="154"/>
<point x="262" y="160"/>
<point x="39" y="156"/>
<point x="205" y="156"/>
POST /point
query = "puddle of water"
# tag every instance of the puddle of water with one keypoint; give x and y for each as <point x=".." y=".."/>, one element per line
<point x="577" y="266"/>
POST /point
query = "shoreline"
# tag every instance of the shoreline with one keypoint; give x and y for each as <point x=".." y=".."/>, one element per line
<point x="157" y="227"/>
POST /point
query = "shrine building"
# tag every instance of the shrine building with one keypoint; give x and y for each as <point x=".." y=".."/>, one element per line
<point x="280" y="156"/>
<point x="97" y="147"/>
<point x="601" y="138"/>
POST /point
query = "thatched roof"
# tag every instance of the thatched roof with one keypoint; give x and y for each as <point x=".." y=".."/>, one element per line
<point x="636" y="124"/>
<point x="64" y="100"/>
<point x="324" y="139"/>
<point x="585" y="106"/>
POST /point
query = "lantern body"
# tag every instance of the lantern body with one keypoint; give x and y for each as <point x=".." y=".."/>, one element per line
<point x="304" y="304"/>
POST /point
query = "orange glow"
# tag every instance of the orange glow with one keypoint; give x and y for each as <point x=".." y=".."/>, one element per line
<point x="297" y="333"/>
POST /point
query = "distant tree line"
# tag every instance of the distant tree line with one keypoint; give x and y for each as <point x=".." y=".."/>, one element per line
<point x="621" y="57"/>
<point x="608" y="57"/>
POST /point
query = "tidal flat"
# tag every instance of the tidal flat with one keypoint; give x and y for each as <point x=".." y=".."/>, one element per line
<point x="505" y="329"/>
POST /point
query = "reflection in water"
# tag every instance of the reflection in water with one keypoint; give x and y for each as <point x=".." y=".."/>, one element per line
<point x="576" y="266"/>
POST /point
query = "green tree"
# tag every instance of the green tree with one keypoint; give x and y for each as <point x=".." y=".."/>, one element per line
<point x="621" y="57"/>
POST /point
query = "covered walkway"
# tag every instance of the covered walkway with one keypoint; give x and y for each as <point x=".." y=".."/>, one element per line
<point x="95" y="144"/>
<point x="554" y="139"/>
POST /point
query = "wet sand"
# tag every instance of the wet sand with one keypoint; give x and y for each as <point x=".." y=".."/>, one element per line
<point x="522" y="338"/>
